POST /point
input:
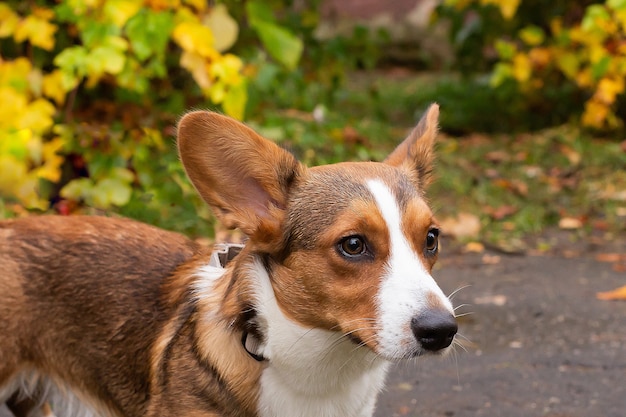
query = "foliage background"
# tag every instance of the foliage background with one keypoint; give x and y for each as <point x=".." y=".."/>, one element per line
<point x="92" y="90"/>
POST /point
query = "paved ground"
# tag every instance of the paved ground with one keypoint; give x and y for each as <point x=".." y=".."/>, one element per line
<point x="541" y="344"/>
<point x="538" y="343"/>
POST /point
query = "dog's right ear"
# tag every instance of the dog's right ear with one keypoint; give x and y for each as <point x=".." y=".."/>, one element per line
<point x="243" y="176"/>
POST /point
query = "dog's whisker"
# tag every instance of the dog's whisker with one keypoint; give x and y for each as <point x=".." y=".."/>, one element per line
<point x="455" y="292"/>
<point x="461" y="306"/>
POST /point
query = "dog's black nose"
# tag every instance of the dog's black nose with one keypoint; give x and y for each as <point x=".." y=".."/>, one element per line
<point x="434" y="330"/>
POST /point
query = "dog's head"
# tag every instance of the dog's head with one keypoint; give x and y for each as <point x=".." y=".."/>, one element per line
<point x="350" y="246"/>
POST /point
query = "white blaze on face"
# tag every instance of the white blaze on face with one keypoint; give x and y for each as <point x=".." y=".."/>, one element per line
<point x="406" y="285"/>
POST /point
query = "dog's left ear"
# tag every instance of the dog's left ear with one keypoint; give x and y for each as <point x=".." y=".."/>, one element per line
<point x="416" y="151"/>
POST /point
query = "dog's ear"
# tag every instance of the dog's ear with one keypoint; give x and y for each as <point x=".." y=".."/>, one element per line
<point x="244" y="177"/>
<point x="416" y="151"/>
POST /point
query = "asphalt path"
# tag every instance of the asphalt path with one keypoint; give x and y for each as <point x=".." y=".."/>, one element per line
<point x="537" y="341"/>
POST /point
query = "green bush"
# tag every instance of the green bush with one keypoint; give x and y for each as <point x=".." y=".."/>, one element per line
<point x="92" y="91"/>
<point x="564" y="58"/>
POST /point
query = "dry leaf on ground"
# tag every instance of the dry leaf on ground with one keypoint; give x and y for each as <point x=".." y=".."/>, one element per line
<point x="616" y="294"/>
<point x="464" y="225"/>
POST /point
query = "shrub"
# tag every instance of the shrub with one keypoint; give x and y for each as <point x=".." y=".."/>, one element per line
<point x="91" y="91"/>
<point x="561" y="55"/>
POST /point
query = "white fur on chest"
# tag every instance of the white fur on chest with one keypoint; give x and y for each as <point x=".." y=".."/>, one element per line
<point x="313" y="372"/>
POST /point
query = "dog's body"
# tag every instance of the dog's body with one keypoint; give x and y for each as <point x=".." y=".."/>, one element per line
<point x="333" y="284"/>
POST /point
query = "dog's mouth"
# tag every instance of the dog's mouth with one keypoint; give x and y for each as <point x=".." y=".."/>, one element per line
<point x="356" y="340"/>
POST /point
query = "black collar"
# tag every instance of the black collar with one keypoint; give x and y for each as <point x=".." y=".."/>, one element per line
<point x="250" y="345"/>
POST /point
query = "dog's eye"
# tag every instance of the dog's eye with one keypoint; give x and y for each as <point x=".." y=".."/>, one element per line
<point x="352" y="246"/>
<point x="432" y="241"/>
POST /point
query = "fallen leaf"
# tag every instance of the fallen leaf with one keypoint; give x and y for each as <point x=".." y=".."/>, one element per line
<point x="570" y="223"/>
<point x="497" y="299"/>
<point x="491" y="259"/>
<point x="499" y="213"/>
<point x="610" y="257"/>
<point x="572" y="155"/>
<point x="404" y="410"/>
<point x="404" y="386"/>
<point x="616" y="294"/>
<point x="497" y="156"/>
<point x="462" y="226"/>
<point x="474" y="247"/>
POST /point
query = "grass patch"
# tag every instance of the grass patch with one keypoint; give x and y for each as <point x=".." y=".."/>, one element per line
<point x="518" y="184"/>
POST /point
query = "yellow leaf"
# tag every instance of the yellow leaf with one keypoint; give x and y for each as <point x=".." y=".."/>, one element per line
<point x="508" y="8"/>
<point x="227" y="69"/>
<point x="37" y="116"/>
<point x="569" y="64"/>
<point x="597" y="52"/>
<point x="8" y="20"/>
<point x="194" y="37"/>
<point x="608" y="89"/>
<point x="39" y="32"/>
<point x="10" y="114"/>
<point x="584" y="78"/>
<point x="234" y="103"/>
<point x="595" y="114"/>
<point x="14" y="74"/>
<point x="223" y="26"/>
<point x="522" y="68"/>
<point x="52" y="161"/>
<point x="16" y="182"/>
<point x="54" y="86"/>
<point x="119" y="11"/>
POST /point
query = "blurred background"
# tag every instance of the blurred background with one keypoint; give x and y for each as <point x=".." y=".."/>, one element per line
<point x="532" y="99"/>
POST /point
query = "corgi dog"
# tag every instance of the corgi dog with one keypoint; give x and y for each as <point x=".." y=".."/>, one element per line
<point x="111" y="317"/>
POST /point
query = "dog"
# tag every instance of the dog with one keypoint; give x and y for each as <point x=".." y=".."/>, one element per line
<point x="111" y="317"/>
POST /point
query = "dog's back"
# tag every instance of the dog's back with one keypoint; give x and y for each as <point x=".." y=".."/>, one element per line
<point x="60" y="284"/>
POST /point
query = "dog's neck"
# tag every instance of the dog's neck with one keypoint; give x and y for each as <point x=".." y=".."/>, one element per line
<point x="304" y="371"/>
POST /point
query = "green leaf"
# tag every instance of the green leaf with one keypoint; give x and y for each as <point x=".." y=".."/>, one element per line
<point x="532" y="35"/>
<point x="601" y="67"/>
<point x="78" y="189"/>
<point x="593" y="14"/>
<point x="73" y="60"/>
<point x="149" y="33"/>
<point x="105" y="59"/>
<point x="112" y="191"/>
<point x="258" y="11"/>
<point x="569" y="63"/>
<point x="501" y="72"/>
<point x="505" y="49"/>
<point x="281" y="44"/>
<point x="96" y="33"/>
